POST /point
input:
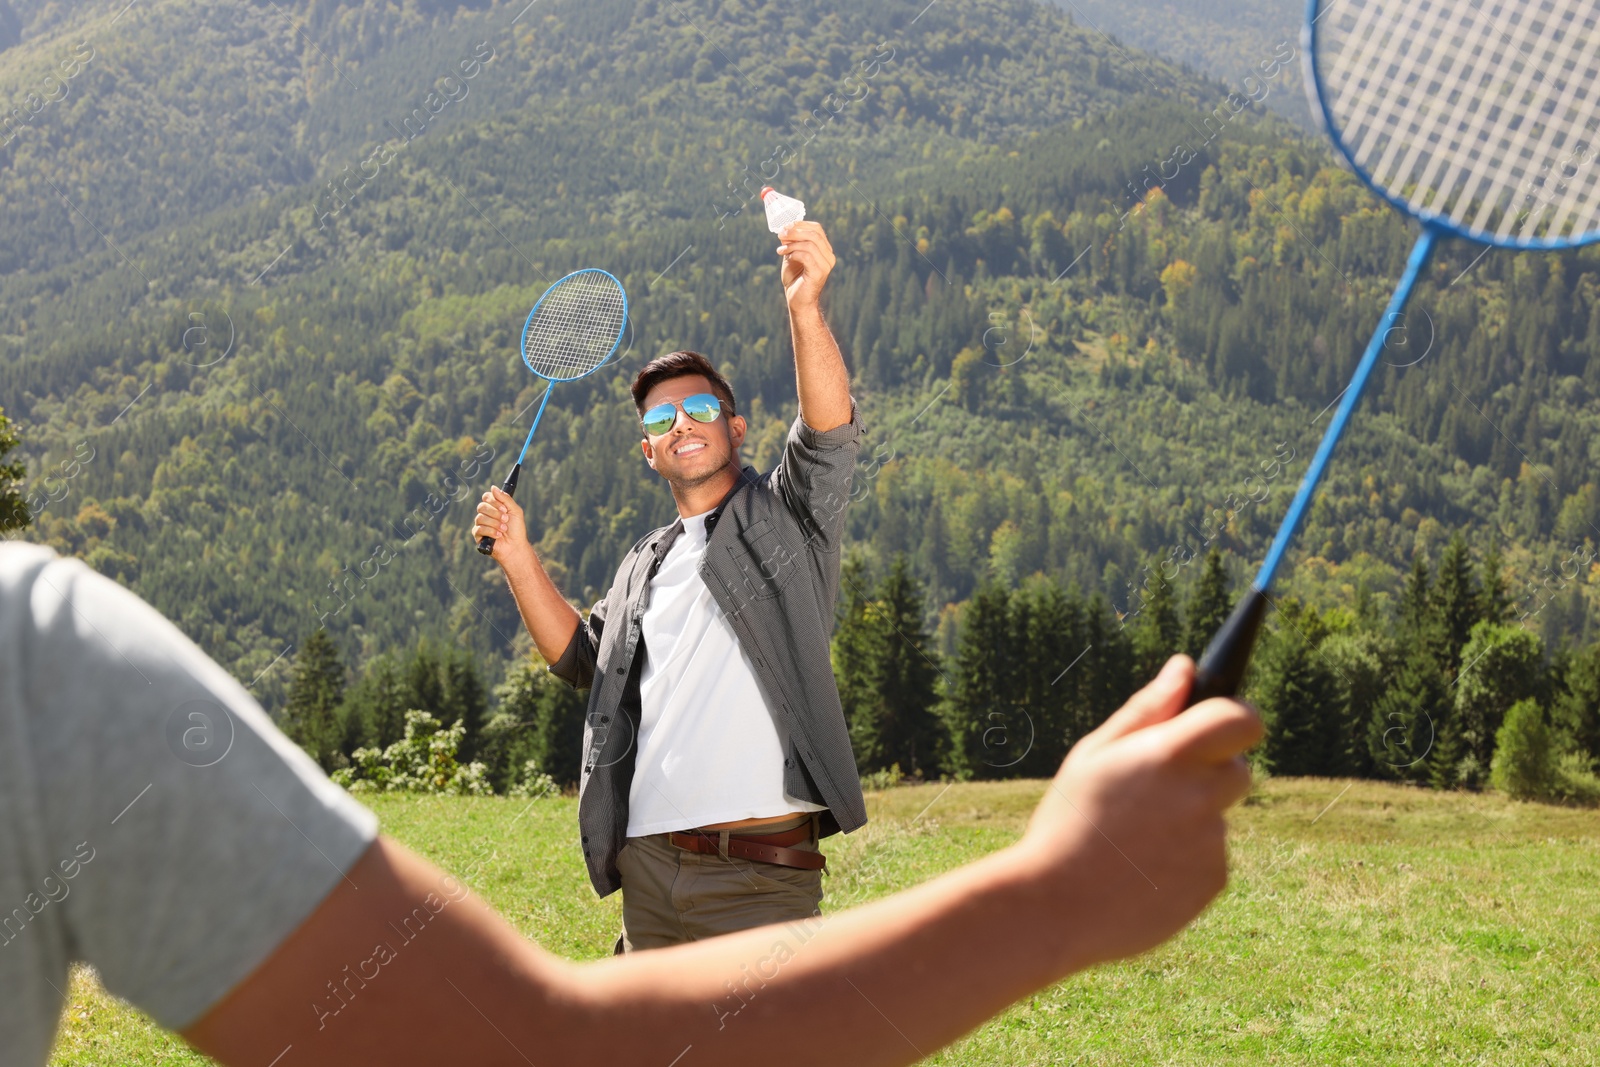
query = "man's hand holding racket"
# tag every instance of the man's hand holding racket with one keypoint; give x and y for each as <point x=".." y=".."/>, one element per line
<point x="548" y="616"/>
<point x="546" y="613"/>
<point x="500" y="517"/>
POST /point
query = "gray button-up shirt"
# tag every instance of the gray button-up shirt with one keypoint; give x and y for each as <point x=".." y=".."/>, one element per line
<point x="772" y="565"/>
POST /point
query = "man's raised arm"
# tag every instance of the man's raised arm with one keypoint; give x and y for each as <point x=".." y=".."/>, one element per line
<point x="820" y="375"/>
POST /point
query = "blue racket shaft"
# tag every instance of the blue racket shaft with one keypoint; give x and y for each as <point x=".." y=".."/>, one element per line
<point x="1222" y="667"/>
<point x="509" y="486"/>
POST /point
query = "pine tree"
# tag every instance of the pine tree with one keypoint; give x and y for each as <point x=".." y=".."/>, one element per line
<point x="853" y="657"/>
<point x="904" y="727"/>
<point x="447" y="686"/>
<point x="537" y="717"/>
<point x="375" y="707"/>
<point x="1577" y="709"/>
<point x="1366" y="612"/>
<point x="935" y="551"/>
<point x="982" y="681"/>
<point x="558" y="727"/>
<point x="1414" y="597"/>
<point x="463" y="700"/>
<point x="1049" y="633"/>
<point x="13" y="510"/>
<point x="1494" y="597"/>
<point x="424" y="682"/>
<point x="1360" y="662"/>
<point x="1414" y="733"/>
<point x="311" y="717"/>
<point x="1403" y="727"/>
<point x="1158" y="630"/>
<point x="1107" y="665"/>
<point x="1455" y="601"/>
<point x="1297" y="695"/>
<point x="1443" y="765"/>
<point x="1209" y="605"/>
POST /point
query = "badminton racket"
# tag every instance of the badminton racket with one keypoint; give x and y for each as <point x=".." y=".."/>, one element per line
<point x="573" y="329"/>
<point x="1477" y="118"/>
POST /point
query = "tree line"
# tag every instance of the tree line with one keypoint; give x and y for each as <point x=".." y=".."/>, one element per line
<point x="1445" y="691"/>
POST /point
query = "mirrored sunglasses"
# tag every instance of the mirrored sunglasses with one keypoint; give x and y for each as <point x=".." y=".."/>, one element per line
<point x="702" y="407"/>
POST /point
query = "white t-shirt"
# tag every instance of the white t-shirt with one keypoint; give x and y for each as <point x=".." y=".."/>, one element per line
<point x="710" y="748"/>
<point x="153" y="822"/>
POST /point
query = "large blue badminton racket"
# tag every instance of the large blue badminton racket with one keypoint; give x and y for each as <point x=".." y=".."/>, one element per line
<point x="573" y="329"/>
<point x="1479" y="119"/>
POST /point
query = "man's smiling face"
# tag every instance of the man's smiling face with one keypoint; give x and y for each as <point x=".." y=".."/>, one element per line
<point x="691" y="453"/>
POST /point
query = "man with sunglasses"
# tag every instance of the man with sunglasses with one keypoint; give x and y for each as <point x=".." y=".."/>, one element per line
<point x="716" y="754"/>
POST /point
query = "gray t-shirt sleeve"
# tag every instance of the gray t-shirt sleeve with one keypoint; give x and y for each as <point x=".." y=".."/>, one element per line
<point x="200" y="837"/>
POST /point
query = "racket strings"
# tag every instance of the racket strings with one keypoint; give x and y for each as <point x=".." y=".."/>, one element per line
<point x="576" y="326"/>
<point x="1482" y="113"/>
<point x="1427" y="79"/>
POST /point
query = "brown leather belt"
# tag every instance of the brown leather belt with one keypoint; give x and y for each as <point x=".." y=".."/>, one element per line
<point x="767" y="848"/>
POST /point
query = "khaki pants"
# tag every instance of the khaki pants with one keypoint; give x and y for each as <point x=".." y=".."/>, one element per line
<point x="671" y="895"/>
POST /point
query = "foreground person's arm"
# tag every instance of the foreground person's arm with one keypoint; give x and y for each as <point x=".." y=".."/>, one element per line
<point x="1124" y="850"/>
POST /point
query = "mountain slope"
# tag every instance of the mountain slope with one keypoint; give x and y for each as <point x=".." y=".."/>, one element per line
<point x="1228" y="40"/>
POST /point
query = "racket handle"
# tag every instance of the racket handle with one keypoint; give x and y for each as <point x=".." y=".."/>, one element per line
<point x="1222" y="667"/>
<point x="486" y="543"/>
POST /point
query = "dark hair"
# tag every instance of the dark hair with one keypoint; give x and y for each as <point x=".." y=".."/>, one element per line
<point x="680" y="365"/>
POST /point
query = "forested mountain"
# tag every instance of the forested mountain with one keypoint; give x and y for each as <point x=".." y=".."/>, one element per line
<point x="265" y="266"/>
<point x="1225" y="39"/>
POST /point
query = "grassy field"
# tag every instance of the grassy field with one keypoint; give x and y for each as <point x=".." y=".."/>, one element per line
<point x="1397" y="926"/>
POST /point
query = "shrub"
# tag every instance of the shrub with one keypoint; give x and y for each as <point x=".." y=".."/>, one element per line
<point x="423" y="761"/>
<point x="887" y="778"/>
<point x="539" y="717"/>
<point x="1500" y="665"/>
<point x="1576" y="780"/>
<point x="1522" y="766"/>
<point x="533" y="784"/>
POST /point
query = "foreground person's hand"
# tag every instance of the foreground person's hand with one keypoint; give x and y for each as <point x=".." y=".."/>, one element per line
<point x="1132" y="825"/>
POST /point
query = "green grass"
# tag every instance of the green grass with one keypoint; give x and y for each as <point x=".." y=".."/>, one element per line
<point x="1397" y="927"/>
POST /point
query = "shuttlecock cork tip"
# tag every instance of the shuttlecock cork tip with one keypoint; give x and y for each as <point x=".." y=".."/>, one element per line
<point x="765" y="189"/>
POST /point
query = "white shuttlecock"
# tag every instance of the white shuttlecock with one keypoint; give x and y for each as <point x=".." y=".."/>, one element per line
<point x="781" y="210"/>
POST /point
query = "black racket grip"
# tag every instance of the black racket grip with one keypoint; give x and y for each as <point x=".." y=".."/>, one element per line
<point x="486" y="543"/>
<point x="1222" y="667"/>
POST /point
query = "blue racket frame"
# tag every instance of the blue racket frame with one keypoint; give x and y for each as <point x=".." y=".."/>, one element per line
<point x="1440" y="224"/>
<point x="550" y="382"/>
<point x="1222" y="668"/>
<point x="509" y="486"/>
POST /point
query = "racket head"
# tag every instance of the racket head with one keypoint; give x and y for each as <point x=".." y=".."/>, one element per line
<point x="576" y="325"/>
<point x="1480" y="118"/>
